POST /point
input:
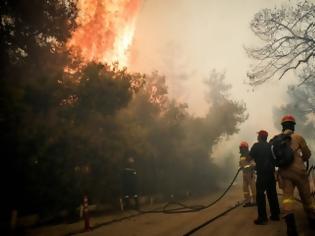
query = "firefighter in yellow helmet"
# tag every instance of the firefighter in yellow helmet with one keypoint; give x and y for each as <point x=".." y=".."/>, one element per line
<point x="295" y="175"/>
<point x="247" y="166"/>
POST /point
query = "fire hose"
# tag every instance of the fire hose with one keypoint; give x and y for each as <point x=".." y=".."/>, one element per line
<point x="310" y="174"/>
<point x="193" y="208"/>
<point x="212" y="219"/>
<point x="181" y="209"/>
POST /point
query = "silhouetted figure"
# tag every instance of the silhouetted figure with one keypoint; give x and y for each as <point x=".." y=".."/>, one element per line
<point x="266" y="182"/>
<point x="130" y="185"/>
<point x="86" y="213"/>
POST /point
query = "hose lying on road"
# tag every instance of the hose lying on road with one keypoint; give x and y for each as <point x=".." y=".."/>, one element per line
<point x="186" y="208"/>
<point x="212" y="219"/>
<point x="310" y="173"/>
<point x="181" y="209"/>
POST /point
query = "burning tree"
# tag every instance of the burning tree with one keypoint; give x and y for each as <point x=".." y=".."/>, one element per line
<point x="67" y="132"/>
<point x="288" y="37"/>
<point x="105" y="30"/>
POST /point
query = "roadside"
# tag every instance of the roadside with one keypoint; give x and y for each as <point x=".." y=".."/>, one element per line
<point x="129" y="216"/>
<point x="239" y="221"/>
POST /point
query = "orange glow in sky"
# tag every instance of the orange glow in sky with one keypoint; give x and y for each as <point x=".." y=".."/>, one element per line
<point x="105" y="30"/>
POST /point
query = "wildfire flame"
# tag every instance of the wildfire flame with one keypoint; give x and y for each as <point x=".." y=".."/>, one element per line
<point x="105" y="30"/>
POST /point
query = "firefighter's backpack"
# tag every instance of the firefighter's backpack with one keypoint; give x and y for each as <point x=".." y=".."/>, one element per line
<point x="282" y="153"/>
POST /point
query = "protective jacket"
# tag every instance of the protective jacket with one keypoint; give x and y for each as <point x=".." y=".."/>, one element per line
<point x="295" y="175"/>
<point x="248" y="166"/>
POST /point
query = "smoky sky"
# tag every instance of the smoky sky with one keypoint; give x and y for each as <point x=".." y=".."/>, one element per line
<point x="187" y="39"/>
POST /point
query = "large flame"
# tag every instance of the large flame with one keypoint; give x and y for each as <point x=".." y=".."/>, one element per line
<point x="105" y="30"/>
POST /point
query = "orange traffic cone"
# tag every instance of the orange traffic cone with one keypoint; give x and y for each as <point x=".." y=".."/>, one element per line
<point x="86" y="214"/>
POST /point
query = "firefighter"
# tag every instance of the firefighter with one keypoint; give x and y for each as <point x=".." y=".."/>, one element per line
<point x="129" y="181"/>
<point x="247" y="166"/>
<point x="265" y="168"/>
<point x="295" y="175"/>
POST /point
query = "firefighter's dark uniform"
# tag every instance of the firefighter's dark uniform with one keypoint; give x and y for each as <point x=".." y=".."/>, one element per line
<point x="129" y="179"/>
<point x="261" y="153"/>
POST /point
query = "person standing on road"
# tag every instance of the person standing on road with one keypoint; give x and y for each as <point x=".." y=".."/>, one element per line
<point x="130" y="184"/>
<point x="261" y="153"/>
<point x="248" y="175"/>
<point x="294" y="175"/>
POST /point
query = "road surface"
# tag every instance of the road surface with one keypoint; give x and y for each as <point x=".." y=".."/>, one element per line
<point x="237" y="222"/>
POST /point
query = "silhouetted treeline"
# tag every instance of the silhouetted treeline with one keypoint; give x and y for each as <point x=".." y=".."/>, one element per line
<point x="67" y="128"/>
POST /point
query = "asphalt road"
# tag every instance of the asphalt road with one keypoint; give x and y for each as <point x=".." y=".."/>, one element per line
<point x="237" y="222"/>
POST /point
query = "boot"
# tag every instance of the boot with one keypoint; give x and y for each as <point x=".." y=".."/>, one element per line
<point x="291" y="226"/>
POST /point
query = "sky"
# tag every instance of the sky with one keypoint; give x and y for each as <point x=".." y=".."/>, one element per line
<point x="186" y="39"/>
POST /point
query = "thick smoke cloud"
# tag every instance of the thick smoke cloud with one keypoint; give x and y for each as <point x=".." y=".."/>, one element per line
<point x="301" y="104"/>
<point x="172" y="147"/>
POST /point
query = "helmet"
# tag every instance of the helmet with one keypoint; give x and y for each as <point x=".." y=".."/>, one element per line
<point x="262" y="133"/>
<point x="243" y="144"/>
<point x="288" y="118"/>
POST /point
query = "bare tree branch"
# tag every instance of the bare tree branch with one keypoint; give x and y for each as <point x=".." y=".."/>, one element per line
<point x="303" y="16"/>
<point x="286" y="27"/>
<point x="304" y="80"/>
<point x="289" y="42"/>
<point x="296" y="66"/>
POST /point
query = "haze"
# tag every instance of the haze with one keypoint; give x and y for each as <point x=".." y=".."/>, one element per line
<point x="186" y="39"/>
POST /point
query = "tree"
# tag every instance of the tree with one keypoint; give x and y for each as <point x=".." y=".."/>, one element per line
<point x="172" y="147"/>
<point x="32" y="57"/>
<point x="202" y="133"/>
<point x="288" y="42"/>
<point x="94" y="135"/>
<point x="64" y="133"/>
<point x="301" y="104"/>
<point x="224" y="114"/>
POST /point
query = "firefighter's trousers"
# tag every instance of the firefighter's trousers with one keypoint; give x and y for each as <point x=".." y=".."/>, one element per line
<point x="266" y="183"/>
<point x="249" y="185"/>
<point x="291" y="179"/>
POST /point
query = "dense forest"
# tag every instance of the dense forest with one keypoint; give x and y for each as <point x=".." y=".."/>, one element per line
<point x="68" y="127"/>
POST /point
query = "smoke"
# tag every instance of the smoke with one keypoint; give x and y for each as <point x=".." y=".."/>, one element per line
<point x="173" y="148"/>
<point x="301" y="104"/>
<point x="183" y="45"/>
